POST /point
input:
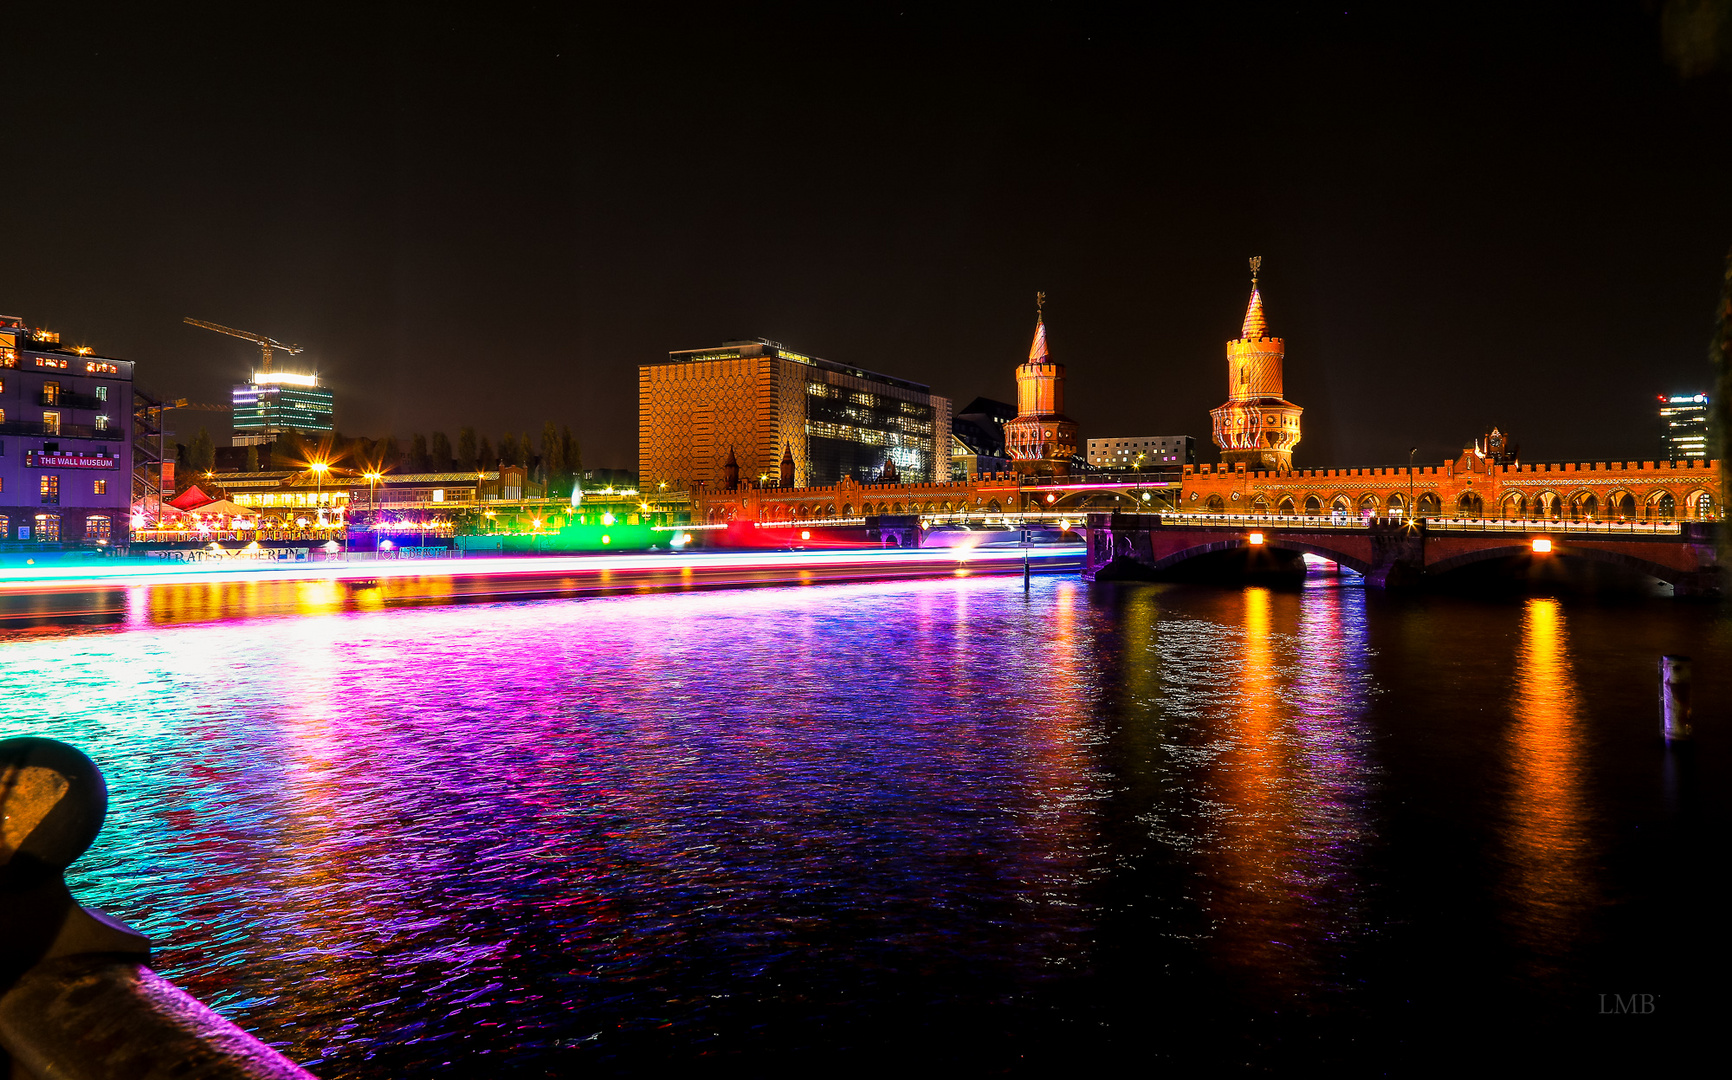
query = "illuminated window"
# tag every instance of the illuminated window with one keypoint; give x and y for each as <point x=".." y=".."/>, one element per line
<point x="102" y="393"/>
<point x="50" y="423"/>
<point x="438" y="494"/>
<point x="5" y="527"/>
<point x="50" y="393"/>
<point x="97" y="527"/>
<point x="102" y="423"/>
<point x="50" y="490"/>
<point x="48" y="528"/>
<point x="101" y="487"/>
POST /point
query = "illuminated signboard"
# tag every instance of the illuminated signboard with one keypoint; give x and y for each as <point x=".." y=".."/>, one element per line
<point x="44" y="459"/>
<point x="50" y="362"/>
<point x="95" y="367"/>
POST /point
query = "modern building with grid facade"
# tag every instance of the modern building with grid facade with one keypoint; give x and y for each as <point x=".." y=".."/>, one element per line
<point x="755" y="401"/>
<point x="278" y="401"/>
<point x="65" y="442"/>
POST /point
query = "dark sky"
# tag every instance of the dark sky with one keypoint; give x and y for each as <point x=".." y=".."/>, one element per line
<point x="1467" y="217"/>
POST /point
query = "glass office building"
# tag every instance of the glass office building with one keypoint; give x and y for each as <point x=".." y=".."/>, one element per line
<point x="752" y="401"/>
<point x="279" y="401"/>
<point x="1684" y="426"/>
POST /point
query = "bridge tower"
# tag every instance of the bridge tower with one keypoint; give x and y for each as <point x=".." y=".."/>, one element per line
<point x="1041" y="440"/>
<point x="1257" y="427"/>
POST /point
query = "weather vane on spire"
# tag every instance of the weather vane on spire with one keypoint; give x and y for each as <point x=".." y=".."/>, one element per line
<point x="1256" y="265"/>
<point x="1039" y="303"/>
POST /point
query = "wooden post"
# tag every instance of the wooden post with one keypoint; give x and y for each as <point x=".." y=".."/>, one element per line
<point x="1675" y="697"/>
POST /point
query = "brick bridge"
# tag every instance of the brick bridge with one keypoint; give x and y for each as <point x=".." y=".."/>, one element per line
<point x="1390" y="553"/>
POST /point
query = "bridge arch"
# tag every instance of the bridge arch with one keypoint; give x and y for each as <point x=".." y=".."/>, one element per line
<point x="1669" y="574"/>
<point x="1368" y="501"/>
<point x="1584" y="506"/>
<point x="1620" y="506"/>
<point x="1661" y="506"/>
<point x="1470" y="505"/>
<point x="1430" y="505"/>
<point x="1340" y="505"/>
<point x="1285" y="506"/>
<point x="1699" y="504"/>
<point x="1313" y="505"/>
<point x="1216" y="504"/>
<point x="1514" y="505"/>
<point x="1274" y="540"/>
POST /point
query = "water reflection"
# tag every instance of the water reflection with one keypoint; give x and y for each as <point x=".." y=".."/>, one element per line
<point x="1547" y="841"/>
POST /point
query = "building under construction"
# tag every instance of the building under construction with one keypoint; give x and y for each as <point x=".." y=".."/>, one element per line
<point x="272" y="402"/>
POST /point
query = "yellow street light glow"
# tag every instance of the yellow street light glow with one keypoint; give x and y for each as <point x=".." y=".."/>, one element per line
<point x="1542" y="546"/>
<point x="805" y="534"/>
<point x="1256" y="538"/>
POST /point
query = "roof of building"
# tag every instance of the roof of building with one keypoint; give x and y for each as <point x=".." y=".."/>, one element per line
<point x="1254" y="323"/>
<point x="1037" y="351"/>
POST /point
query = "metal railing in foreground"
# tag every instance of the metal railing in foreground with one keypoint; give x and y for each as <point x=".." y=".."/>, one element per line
<point x="77" y="997"/>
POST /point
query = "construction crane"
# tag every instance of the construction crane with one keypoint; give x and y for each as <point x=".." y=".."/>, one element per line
<point x="265" y="343"/>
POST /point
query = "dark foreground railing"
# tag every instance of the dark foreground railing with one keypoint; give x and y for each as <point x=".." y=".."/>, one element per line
<point x="77" y="997"/>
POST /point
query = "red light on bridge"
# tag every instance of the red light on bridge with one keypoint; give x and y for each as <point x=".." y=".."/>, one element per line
<point x="1542" y="546"/>
<point x="1256" y="538"/>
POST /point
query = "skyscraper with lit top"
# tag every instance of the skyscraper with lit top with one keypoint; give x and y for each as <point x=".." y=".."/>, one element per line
<point x="1256" y="427"/>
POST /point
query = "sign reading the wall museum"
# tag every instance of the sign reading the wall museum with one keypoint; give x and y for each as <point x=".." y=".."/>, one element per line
<point x="44" y="459"/>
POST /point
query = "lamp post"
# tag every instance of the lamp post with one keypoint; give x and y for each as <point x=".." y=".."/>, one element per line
<point x="319" y="468"/>
<point x="373" y="508"/>
<point x="1411" y="507"/>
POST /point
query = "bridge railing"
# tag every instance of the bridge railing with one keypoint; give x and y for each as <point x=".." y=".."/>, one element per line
<point x="1431" y="524"/>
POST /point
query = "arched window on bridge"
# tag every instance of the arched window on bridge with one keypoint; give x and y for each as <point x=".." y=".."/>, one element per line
<point x="1368" y="505"/>
<point x="1547" y="506"/>
<point x="1430" y="505"/>
<point x="1584" y="506"/>
<point x="1661" y="506"/>
<point x="1313" y="505"/>
<point x="1701" y="505"/>
<point x="830" y="510"/>
<point x="992" y="506"/>
<point x="897" y="509"/>
<point x="1285" y="506"/>
<point x="1341" y="505"/>
<point x="1216" y="504"/>
<point x="1397" y="503"/>
<point x="1470" y="505"/>
<point x="1621" y="506"/>
<point x="1515" y="505"/>
<point x="1259" y="505"/>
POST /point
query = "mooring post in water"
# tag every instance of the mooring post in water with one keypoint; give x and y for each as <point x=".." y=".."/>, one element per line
<point x="1025" y="560"/>
<point x="1675" y="697"/>
<point x="76" y="997"/>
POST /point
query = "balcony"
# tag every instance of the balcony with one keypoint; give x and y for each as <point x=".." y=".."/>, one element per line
<point x="28" y="428"/>
<point x="66" y="400"/>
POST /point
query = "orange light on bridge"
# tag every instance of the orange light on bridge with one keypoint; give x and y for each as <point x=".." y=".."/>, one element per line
<point x="1542" y="546"/>
<point x="1256" y="538"/>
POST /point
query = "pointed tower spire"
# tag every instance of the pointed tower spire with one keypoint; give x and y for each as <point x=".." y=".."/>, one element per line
<point x="1254" y="325"/>
<point x="1037" y="351"/>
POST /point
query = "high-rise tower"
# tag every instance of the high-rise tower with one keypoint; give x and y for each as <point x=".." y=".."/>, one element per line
<point x="1041" y="440"/>
<point x="1257" y="426"/>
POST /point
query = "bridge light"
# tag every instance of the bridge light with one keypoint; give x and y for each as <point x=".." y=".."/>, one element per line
<point x="1542" y="546"/>
<point x="1256" y="538"/>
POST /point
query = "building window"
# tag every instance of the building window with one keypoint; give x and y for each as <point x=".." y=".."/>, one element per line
<point x="50" y="393"/>
<point x="101" y="487"/>
<point x="50" y="423"/>
<point x="50" y="490"/>
<point x="102" y="423"/>
<point x="5" y="527"/>
<point x="438" y="494"/>
<point x="48" y="528"/>
<point x="97" y="527"/>
<point x="102" y="393"/>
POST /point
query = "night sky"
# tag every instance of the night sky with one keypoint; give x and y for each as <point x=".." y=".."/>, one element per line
<point x="493" y="218"/>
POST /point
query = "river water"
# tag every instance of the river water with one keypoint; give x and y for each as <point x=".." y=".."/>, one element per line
<point x="933" y="823"/>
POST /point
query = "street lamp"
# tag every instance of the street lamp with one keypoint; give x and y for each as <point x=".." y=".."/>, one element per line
<point x="373" y="507"/>
<point x="1411" y="506"/>
<point x="319" y="469"/>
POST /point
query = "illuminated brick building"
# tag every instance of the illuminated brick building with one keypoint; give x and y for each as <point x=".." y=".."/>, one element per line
<point x="65" y="441"/>
<point x="1041" y="440"/>
<point x="757" y="403"/>
<point x="1257" y="427"/>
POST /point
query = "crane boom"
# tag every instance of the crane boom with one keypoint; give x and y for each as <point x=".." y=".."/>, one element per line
<point x="264" y="343"/>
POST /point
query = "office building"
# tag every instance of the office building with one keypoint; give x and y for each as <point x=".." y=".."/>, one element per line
<point x="273" y="402"/>
<point x="730" y="415"/>
<point x="65" y="441"/>
<point x="1146" y="452"/>
<point x="1684" y="426"/>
